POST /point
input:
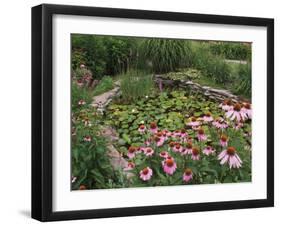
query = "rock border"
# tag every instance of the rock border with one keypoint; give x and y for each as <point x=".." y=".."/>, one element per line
<point x="215" y="94"/>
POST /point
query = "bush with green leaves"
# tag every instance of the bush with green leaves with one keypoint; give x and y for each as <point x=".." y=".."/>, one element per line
<point x="212" y="66"/>
<point x="104" y="85"/>
<point x="165" y="55"/>
<point x="244" y="75"/>
<point x="232" y="51"/>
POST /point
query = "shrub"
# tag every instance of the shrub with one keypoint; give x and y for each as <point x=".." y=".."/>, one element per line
<point x="135" y="84"/>
<point x="79" y="94"/>
<point x="164" y="54"/>
<point x="213" y="67"/>
<point x="105" y="84"/>
<point x="233" y="51"/>
<point x="245" y="80"/>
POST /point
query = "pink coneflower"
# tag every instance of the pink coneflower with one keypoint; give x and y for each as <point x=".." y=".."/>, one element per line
<point x="195" y="153"/>
<point x="208" y="150"/>
<point x="148" y="151"/>
<point x="193" y="122"/>
<point x="223" y="140"/>
<point x="187" y="149"/>
<point x="129" y="166"/>
<point x="142" y="129"/>
<point x="220" y="123"/>
<point x="153" y="127"/>
<point x="131" y="152"/>
<point x="236" y="113"/>
<point x="201" y="135"/>
<point x="159" y="141"/>
<point x="247" y="109"/>
<point x="146" y="174"/>
<point x="187" y="176"/>
<point x="169" y="166"/>
<point x="230" y="156"/>
<point x="87" y="138"/>
<point x="183" y="133"/>
<point x="226" y="105"/>
<point x="177" y="133"/>
<point x="208" y="117"/>
<point x="82" y="66"/>
<point x="238" y="125"/>
<point x="81" y="102"/>
<point x="147" y="142"/>
<point x="164" y="154"/>
<point x="177" y="147"/>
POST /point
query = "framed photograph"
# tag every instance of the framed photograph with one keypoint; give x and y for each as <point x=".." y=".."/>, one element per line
<point x="145" y="112"/>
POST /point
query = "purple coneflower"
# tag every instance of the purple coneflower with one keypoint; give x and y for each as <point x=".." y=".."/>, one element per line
<point x="131" y="152"/>
<point x="187" y="176"/>
<point x="169" y="166"/>
<point x="230" y="156"/>
<point x="148" y="151"/>
<point x="208" y="150"/>
<point x="142" y="129"/>
<point x="81" y="102"/>
<point x="236" y="113"/>
<point x="153" y="127"/>
<point x="146" y="174"/>
<point x="223" y="140"/>
<point x="87" y="138"/>
<point x="201" y="135"/>
<point x="208" y="117"/>
<point x="195" y="153"/>
<point x="193" y="122"/>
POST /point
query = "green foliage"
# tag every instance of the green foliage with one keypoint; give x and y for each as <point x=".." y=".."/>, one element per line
<point x="103" y="54"/>
<point x="165" y="54"/>
<point x="92" y="53"/>
<point x="245" y="80"/>
<point x="77" y="94"/>
<point x="135" y="84"/>
<point x="105" y="84"/>
<point x="212" y="66"/>
<point x="170" y="110"/>
<point x="233" y="51"/>
<point x="184" y="74"/>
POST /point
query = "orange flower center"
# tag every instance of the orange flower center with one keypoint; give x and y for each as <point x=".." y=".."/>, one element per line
<point x="159" y="134"/>
<point x="193" y="119"/>
<point x="201" y="131"/>
<point x="172" y="144"/>
<point x="237" y="107"/>
<point x="163" y="153"/>
<point x="142" y="126"/>
<point x="231" y="150"/>
<point x="224" y="138"/>
<point x="148" y="150"/>
<point x="195" y="151"/>
<point x="169" y="162"/>
<point x="145" y="171"/>
<point x="178" y="146"/>
<point x="188" y="172"/>
<point x="183" y="131"/>
<point x="153" y="125"/>
<point x="132" y="149"/>
<point x="227" y="102"/>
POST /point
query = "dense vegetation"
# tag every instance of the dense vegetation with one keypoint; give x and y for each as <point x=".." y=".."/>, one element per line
<point x="143" y="113"/>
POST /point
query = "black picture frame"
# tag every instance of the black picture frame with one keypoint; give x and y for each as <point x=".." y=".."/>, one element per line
<point x="42" y="111"/>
